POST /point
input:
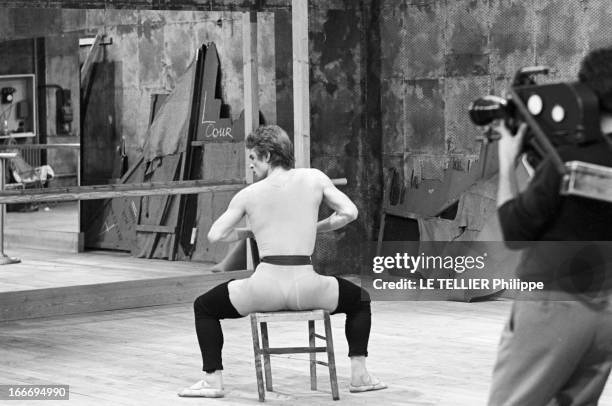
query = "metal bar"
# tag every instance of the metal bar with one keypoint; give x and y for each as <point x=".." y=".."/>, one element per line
<point x="41" y="146"/>
<point x="123" y="190"/>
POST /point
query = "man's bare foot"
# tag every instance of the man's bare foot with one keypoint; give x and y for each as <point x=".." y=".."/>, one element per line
<point x="209" y="387"/>
<point x="366" y="383"/>
<point x="361" y="379"/>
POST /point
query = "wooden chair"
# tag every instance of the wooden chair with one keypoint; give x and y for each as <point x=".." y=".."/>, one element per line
<point x="261" y="320"/>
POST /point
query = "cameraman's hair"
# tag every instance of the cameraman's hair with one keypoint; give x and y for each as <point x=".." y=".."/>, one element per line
<point x="272" y="139"/>
<point x="596" y="72"/>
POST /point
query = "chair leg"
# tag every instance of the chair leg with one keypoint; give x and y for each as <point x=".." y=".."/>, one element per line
<point x="313" y="355"/>
<point x="331" y="359"/>
<point x="256" y="349"/>
<point x="266" y="357"/>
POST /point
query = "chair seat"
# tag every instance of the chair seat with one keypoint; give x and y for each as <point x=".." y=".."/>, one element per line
<point x="298" y="315"/>
<point x="260" y="320"/>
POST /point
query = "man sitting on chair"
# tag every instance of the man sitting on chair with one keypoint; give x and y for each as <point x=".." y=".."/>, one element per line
<point x="282" y="209"/>
<point x="25" y="173"/>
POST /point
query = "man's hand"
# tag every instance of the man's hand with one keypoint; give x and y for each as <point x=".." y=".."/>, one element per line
<point x="509" y="150"/>
<point x="509" y="146"/>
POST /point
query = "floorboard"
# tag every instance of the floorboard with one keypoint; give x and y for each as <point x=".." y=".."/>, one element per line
<point x="429" y="353"/>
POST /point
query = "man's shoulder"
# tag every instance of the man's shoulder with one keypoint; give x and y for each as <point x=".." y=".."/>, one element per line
<point x="310" y="173"/>
<point x="244" y="194"/>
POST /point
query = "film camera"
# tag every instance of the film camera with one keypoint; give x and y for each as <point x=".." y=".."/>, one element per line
<point x="557" y="114"/>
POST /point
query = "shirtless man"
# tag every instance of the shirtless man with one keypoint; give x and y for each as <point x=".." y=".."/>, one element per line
<point x="282" y="209"/>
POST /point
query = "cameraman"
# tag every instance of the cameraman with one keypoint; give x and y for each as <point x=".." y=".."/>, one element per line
<point x="557" y="344"/>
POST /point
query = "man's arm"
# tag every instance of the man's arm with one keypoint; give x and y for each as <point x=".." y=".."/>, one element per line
<point x="524" y="216"/>
<point x="345" y="210"/>
<point x="223" y="229"/>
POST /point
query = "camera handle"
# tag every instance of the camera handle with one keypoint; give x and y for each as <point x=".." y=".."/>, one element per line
<point x="539" y="133"/>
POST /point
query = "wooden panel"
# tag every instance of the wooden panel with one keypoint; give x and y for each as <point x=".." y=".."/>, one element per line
<point x="155" y="210"/>
<point x="112" y="227"/>
<point x="59" y="241"/>
<point x="99" y="137"/>
<point x="251" y="78"/>
<point x="301" y="86"/>
<point x="211" y="127"/>
<point x="223" y="161"/>
<point x="148" y="228"/>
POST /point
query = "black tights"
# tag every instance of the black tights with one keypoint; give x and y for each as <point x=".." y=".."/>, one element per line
<point x="215" y="305"/>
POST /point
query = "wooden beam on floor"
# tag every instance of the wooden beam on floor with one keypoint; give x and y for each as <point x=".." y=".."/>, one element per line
<point x="97" y="297"/>
<point x="121" y="190"/>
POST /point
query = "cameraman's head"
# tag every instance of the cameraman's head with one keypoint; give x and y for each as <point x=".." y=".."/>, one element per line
<point x="596" y="72"/>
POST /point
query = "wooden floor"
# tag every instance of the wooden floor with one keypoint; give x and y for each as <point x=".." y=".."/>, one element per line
<point x="429" y="353"/>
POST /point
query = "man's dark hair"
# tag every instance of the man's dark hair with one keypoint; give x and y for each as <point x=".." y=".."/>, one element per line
<point x="274" y="140"/>
<point x="596" y="72"/>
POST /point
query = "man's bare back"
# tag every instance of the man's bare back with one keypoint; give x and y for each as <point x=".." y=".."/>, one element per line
<point x="282" y="212"/>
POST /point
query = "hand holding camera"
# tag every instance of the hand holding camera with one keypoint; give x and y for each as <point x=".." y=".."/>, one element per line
<point x="510" y="145"/>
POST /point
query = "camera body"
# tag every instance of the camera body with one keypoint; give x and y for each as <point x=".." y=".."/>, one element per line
<point x="557" y="115"/>
<point x="568" y="113"/>
<point x="560" y="113"/>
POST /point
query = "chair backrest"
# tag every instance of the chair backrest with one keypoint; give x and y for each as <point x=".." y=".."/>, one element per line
<point x="254" y="252"/>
